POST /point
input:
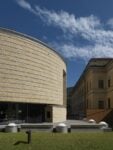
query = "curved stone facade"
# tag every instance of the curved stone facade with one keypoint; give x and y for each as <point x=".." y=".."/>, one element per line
<point x="30" y="71"/>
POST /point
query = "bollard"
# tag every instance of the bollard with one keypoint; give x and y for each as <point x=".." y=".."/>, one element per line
<point x="61" y="128"/>
<point x="19" y="128"/>
<point x="28" y="136"/>
<point x="11" y="127"/>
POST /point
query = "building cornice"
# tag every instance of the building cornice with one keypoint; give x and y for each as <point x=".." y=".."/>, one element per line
<point x="30" y="38"/>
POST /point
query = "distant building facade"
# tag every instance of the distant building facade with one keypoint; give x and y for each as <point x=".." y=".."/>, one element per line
<point x="32" y="80"/>
<point x="69" y="102"/>
<point x="92" y="96"/>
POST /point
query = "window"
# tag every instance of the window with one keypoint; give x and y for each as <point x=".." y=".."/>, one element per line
<point x="48" y="114"/>
<point x="87" y="87"/>
<point x="101" y="84"/>
<point x="64" y="88"/>
<point x="87" y="104"/>
<point x="100" y="104"/>
<point x="109" y="83"/>
<point x="109" y="103"/>
<point x="90" y="85"/>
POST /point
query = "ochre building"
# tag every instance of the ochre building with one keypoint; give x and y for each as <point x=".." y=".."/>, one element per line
<point x="92" y="96"/>
<point x="32" y="80"/>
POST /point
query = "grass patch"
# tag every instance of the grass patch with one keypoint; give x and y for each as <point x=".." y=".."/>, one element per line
<point x="55" y="141"/>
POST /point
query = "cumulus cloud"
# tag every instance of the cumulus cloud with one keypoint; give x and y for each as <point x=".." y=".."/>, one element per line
<point x="99" y="41"/>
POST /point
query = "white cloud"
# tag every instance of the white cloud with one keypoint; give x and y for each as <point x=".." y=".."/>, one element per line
<point x="100" y="40"/>
<point x="24" y="4"/>
<point x="110" y="22"/>
<point x="86" y="52"/>
<point x="68" y="22"/>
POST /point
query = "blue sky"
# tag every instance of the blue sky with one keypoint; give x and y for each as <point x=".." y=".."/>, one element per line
<point x="77" y="29"/>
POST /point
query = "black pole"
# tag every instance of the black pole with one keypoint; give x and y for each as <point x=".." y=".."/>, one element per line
<point x="28" y="136"/>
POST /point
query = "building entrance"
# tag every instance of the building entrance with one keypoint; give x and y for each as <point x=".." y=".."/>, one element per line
<point x="22" y="112"/>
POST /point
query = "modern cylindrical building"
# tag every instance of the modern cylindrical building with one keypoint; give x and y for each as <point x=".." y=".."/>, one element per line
<point x="32" y="80"/>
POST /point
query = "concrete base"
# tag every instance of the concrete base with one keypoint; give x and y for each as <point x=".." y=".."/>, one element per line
<point x="11" y="129"/>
